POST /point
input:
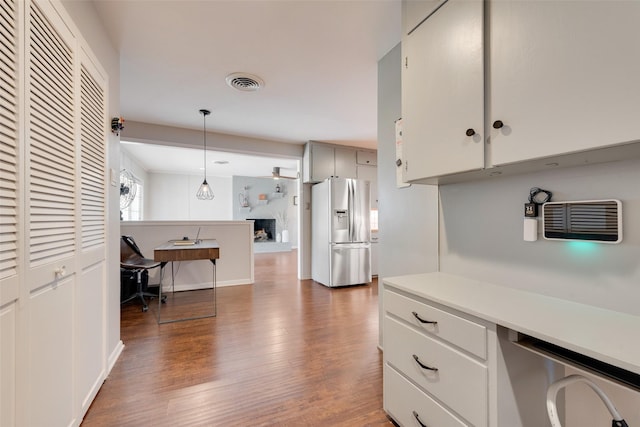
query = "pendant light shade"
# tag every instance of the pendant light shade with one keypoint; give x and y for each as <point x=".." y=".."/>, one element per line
<point x="205" y="192"/>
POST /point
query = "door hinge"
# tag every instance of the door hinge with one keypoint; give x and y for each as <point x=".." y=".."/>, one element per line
<point x="406" y="62"/>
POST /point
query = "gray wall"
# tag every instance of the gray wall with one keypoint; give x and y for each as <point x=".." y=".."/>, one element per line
<point x="408" y="217"/>
<point x="266" y="186"/>
<point x="481" y="236"/>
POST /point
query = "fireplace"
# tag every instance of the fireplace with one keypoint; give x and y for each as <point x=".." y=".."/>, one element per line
<point x="264" y="229"/>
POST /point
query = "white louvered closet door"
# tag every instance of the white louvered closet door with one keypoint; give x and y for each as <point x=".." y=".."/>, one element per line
<point x="90" y="347"/>
<point x="9" y="204"/>
<point x="50" y="199"/>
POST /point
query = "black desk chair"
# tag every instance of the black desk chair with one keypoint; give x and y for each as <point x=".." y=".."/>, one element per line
<point x="131" y="258"/>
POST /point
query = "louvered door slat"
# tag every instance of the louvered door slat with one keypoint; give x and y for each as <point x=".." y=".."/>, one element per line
<point x="45" y="86"/>
<point x="8" y="142"/>
<point x="51" y="143"/>
<point x="6" y="214"/>
<point x="7" y="231"/>
<point x="7" y="90"/>
<point x="7" y="117"/>
<point x="6" y="194"/>
<point x="45" y="103"/>
<point x="6" y="248"/>
<point x="94" y="175"/>
<point x="8" y="171"/>
<point x="47" y="145"/>
<point x="44" y="34"/>
<point x="47" y="161"/>
<point x="44" y="58"/>
<point x="92" y="161"/>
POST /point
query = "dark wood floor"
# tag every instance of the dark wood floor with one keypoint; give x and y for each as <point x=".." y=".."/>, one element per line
<point x="281" y="352"/>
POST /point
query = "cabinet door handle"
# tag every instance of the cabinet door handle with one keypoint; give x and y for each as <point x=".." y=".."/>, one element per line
<point x="470" y="132"/>
<point x="417" y="417"/>
<point x="421" y="320"/>
<point x="422" y="365"/>
<point x="498" y="124"/>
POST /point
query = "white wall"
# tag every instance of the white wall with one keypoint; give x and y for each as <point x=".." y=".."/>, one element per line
<point x="129" y="163"/>
<point x="234" y="267"/>
<point x="481" y="237"/>
<point x="172" y="197"/>
<point x="408" y="217"/>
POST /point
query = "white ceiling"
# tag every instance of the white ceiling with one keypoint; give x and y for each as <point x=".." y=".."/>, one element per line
<point x="318" y="59"/>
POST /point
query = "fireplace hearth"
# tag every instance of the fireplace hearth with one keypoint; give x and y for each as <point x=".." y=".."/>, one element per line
<point x="264" y="229"/>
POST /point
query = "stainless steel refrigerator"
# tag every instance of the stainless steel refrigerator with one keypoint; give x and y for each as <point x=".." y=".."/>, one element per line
<point x="341" y="232"/>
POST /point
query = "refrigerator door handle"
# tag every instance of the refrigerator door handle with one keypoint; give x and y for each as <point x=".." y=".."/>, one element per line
<point x="351" y="199"/>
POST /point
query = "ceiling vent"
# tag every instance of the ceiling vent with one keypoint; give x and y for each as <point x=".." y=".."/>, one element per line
<point x="244" y="82"/>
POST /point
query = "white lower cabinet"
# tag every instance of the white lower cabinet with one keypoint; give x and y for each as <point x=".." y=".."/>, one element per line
<point x="438" y="356"/>
<point x="442" y="371"/>
<point x="445" y="367"/>
<point x="410" y="406"/>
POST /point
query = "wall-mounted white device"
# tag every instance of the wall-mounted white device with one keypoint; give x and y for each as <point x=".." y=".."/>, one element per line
<point x="530" y="229"/>
<point x="588" y="220"/>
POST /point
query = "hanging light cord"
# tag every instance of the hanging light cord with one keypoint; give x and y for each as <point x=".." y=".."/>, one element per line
<point x="205" y="113"/>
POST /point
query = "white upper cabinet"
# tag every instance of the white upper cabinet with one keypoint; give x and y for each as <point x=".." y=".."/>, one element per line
<point x="442" y="92"/>
<point x="345" y="163"/>
<point x="367" y="157"/>
<point x="415" y="11"/>
<point x="322" y="161"/>
<point x="564" y="76"/>
<point x="531" y="82"/>
<point x="319" y="163"/>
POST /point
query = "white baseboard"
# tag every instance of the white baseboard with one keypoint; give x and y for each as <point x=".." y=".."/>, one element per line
<point x="114" y="356"/>
<point x="195" y="286"/>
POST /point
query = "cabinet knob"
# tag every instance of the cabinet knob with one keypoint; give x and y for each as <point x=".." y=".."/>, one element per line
<point x="60" y="271"/>
<point x="470" y="132"/>
<point x="498" y="124"/>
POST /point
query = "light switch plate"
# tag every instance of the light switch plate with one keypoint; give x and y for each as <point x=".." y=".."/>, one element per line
<point x="113" y="177"/>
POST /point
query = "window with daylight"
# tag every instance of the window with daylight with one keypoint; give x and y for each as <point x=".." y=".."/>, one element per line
<point x="373" y="218"/>
<point x="134" y="211"/>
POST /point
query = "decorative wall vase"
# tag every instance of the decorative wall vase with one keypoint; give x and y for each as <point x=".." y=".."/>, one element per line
<point x="285" y="235"/>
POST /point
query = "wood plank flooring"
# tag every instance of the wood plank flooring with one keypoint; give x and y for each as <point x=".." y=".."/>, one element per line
<point x="281" y="352"/>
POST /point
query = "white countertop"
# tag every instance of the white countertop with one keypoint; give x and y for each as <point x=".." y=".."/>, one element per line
<point x="605" y="335"/>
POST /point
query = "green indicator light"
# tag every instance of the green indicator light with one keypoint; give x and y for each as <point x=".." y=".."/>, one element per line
<point x="584" y="248"/>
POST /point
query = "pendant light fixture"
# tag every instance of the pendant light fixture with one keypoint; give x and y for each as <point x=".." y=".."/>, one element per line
<point x="205" y="192"/>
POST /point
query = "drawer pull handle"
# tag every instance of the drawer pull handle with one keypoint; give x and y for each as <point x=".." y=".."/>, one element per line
<point x="422" y="365"/>
<point x="417" y="417"/>
<point x="421" y="320"/>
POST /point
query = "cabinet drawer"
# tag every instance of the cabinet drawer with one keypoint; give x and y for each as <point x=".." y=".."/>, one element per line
<point x="402" y="399"/>
<point x="459" y="381"/>
<point x="468" y="335"/>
